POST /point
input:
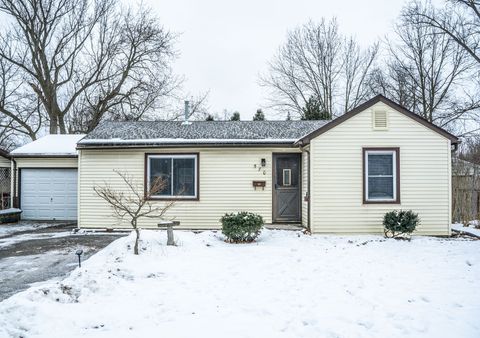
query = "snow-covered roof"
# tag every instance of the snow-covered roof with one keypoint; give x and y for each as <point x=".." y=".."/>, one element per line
<point x="198" y="132"/>
<point x="50" y="145"/>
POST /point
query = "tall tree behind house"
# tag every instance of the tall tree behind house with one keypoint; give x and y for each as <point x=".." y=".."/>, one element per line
<point x="72" y="63"/>
<point x="449" y="52"/>
<point x="318" y="61"/>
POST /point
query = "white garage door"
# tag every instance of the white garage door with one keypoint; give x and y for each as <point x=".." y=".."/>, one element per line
<point x="48" y="194"/>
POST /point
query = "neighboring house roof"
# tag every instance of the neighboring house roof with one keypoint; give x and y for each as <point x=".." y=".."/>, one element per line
<point x="198" y="132"/>
<point x="379" y="98"/>
<point x="50" y="146"/>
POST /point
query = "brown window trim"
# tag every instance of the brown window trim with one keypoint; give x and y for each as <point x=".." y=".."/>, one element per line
<point x="145" y="178"/>
<point x="397" y="168"/>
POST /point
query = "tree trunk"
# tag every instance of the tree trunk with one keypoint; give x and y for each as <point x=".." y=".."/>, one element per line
<point x="61" y="124"/>
<point x="53" y="125"/>
<point x="137" y="238"/>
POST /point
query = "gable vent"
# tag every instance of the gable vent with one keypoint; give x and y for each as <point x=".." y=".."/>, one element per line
<point x="380" y="120"/>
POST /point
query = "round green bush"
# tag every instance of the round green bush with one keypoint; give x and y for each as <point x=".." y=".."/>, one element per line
<point x="241" y="226"/>
<point x="400" y="222"/>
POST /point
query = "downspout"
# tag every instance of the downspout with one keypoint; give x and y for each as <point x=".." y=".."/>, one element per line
<point x="453" y="148"/>
<point x="308" y="191"/>
<point x="307" y="196"/>
<point x="13" y="199"/>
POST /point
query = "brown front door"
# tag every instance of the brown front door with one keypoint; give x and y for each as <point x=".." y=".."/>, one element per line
<point x="286" y="188"/>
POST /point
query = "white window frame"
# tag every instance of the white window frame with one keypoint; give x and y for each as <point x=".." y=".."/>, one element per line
<point x="394" y="175"/>
<point x="289" y="175"/>
<point x="174" y="156"/>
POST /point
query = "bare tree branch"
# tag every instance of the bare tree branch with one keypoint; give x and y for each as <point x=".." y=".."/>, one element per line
<point x="135" y="203"/>
<point x="460" y="21"/>
<point x="318" y="62"/>
<point x="87" y="60"/>
<point x="427" y="72"/>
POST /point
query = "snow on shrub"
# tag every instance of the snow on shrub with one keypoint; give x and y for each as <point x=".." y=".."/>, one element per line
<point x="242" y="226"/>
<point x="400" y="222"/>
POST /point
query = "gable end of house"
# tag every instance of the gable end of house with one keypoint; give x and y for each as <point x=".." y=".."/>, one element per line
<point x="379" y="98"/>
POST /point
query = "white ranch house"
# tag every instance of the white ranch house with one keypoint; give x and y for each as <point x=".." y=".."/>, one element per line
<point x="337" y="176"/>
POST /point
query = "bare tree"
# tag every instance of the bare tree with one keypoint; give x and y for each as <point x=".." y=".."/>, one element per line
<point x="197" y="107"/>
<point x="425" y="72"/>
<point x="357" y="68"/>
<point x="317" y="61"/>
<point x="135" y="203"/>
<point x="82" y="59"/>
<point x="470" y="150"/>
<point x="8" y="138"/>
<point x="460" y="20"/>
<point x="392" y="81"/>
<point x="19" y="109"/>
<point x="451" y="35"/>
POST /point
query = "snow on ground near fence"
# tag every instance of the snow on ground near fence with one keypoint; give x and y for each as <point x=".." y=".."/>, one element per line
<point x="285" y="285"/>
<point x="469" y="229"/>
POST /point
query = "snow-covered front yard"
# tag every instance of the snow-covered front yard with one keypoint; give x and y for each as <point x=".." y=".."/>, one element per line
<point x="285" y="285"/>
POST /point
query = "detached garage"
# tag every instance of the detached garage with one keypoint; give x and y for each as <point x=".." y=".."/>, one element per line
<point x="45" y="181"/>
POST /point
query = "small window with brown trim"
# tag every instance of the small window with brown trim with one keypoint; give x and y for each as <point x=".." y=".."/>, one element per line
<point x="178" y="171"/>
<point x="381" y="179"/>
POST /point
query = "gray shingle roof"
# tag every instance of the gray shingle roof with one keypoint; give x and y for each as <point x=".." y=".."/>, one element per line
<point x="198" y="132"/>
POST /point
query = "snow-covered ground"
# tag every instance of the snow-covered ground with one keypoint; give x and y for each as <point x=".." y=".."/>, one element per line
<point x="285" y="285"/>
<point x="8" y="229"/>
<point x="40" y="255"/>
<point x="471" y="228"/>
<point x="8" y="241"/>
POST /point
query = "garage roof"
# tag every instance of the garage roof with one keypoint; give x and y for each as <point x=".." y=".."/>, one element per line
<point x="50" y="146"/>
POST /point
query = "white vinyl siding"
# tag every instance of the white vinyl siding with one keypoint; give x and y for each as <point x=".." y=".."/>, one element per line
<point x="225" y="179"/>
<point x="47" y="162"/>
<point x="4" y="162"/>
<point x="337" y="175"/>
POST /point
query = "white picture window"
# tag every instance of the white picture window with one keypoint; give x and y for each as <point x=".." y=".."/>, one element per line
<point x="381" y="175"/>
<point x="180" y="172"/>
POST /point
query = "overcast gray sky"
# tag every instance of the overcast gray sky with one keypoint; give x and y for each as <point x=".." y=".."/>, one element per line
<point x="224" y="45"/>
